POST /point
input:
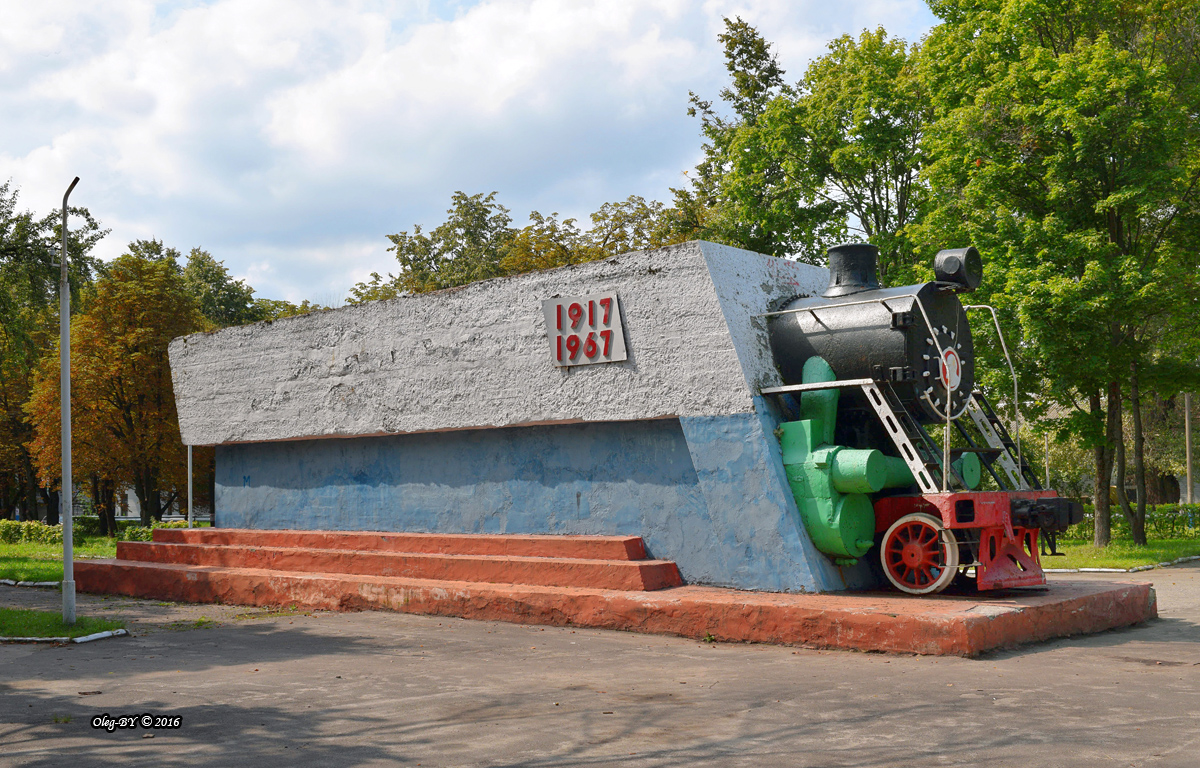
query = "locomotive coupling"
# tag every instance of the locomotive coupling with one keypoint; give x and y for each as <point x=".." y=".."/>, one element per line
<point x="1052" y="515"/>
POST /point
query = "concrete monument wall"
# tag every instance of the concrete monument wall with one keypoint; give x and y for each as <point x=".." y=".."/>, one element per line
<point x="444" y="412"/>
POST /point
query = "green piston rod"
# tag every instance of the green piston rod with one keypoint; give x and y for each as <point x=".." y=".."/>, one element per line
<point x="830" y="482"/>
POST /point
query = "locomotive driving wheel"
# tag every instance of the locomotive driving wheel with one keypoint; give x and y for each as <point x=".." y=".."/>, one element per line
<point x="919" y="554"/>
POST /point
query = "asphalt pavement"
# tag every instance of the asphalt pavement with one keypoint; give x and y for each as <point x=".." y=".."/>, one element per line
<point x="251" y="687"/>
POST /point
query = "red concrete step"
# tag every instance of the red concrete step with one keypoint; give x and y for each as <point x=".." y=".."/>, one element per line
<point x="516" y="545"/>
<point x="638" y="575"/>
<point x="944" y="625"/>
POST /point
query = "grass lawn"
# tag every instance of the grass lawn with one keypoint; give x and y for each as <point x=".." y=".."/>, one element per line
<point x="25" y="623"/>
<point x="1121" y="553"/>
<point x="43" y="562"/>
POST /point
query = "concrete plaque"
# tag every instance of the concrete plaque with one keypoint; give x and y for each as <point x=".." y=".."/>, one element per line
<point x="585" y="329"/>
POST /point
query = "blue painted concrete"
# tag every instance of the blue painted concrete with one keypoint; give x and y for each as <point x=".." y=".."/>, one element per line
<point x="826" y="575"/>
<point x="708" y="492"/>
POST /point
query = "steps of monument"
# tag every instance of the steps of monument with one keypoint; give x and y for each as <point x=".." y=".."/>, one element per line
<point x="636" y="575"/>
<point x="511" y="545"/>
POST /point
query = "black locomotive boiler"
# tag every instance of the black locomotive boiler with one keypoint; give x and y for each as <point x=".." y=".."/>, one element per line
<point x="884" y="364"/>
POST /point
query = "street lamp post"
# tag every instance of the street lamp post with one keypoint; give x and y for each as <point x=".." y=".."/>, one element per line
<point x="191" y="518"/>
<point x="64" y="407"/>
<point x="1187" y="438"/>
<point x="1047" y="437"/>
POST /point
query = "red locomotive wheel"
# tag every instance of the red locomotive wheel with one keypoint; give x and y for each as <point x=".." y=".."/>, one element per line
<point x="919" y="554"/>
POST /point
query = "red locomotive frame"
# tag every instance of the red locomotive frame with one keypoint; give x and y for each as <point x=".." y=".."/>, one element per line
<point x="1002" y="554"/>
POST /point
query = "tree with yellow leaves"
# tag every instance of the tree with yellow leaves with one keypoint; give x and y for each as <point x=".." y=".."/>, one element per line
<point x="476" y="242"/>
<point x="124" y="425"/>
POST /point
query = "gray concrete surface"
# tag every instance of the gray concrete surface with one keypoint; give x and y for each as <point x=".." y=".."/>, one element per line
<point x="699" y="473"/>
<point x="479" y="356"/>
<point x="375" y="689"/>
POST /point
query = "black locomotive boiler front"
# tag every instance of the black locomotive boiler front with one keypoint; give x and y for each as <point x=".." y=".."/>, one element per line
<point x="916" y="337"/>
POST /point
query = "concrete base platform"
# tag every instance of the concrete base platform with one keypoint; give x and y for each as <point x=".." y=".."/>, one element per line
<point x="943" y="625"/>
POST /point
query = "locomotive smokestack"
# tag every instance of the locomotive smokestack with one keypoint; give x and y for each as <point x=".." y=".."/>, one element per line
<point x="851" y="269"/>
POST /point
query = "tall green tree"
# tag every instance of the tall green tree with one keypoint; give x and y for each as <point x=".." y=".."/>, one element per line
<point x="1065" y="147"/>
<point x="222" y="300"/>
<point x="759" y="209"/>
<point x="155" y="250"/>
<point x="467" y="246"/>
<point x="273" y="309"/>
<point x="635" y="224"/>
<point x="29" y="275"/>
<point x="797" y="168"/>
<point x="545" y="243"/>
<point x="852" y="139"/>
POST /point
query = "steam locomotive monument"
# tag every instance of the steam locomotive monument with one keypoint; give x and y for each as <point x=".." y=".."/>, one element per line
<point x="717" y="418"/>
<point x="866" y="465"/>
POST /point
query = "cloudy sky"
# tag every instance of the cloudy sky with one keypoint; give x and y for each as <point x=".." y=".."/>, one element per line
<point x="288" y="137"/>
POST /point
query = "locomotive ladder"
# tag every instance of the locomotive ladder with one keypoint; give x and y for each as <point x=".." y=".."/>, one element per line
<point x="916" y="447"/>
<point x="1020" y="476"/>
<point x="987" y="456"/>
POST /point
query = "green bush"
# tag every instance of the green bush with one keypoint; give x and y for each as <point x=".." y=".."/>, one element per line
<point x="142" y="533"/>
<point x="1174" y="521"/>
<point x="1163" y="521"/>
<point x="136" y="533"/>
<point x="29" y="531"/>
<point x="10" y="531"/>
<point x="86" y="526"/>
<point x="89" y="527"/>
<point x="82" y="527"/>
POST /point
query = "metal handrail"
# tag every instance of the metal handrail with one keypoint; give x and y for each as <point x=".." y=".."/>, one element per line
<point x="1011" y="370"/>
<point x="882" y="301"/>
<point x="788" y="388"/>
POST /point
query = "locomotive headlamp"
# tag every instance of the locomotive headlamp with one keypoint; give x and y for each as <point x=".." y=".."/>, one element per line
<point x="961" y="266"/>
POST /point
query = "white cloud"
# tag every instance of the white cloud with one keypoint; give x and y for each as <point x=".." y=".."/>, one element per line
<point x="288" y="137"/>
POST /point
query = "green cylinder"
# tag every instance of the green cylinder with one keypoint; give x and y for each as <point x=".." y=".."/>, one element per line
<point x="797" y="439"/>
<point x="855" y="523"/>
<point x="858" y="471"/>
<point x="843" y="526"/>
<point x="898" y="473"/>
<point x="819" y="405"/>
<point x="969" y="469"/>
